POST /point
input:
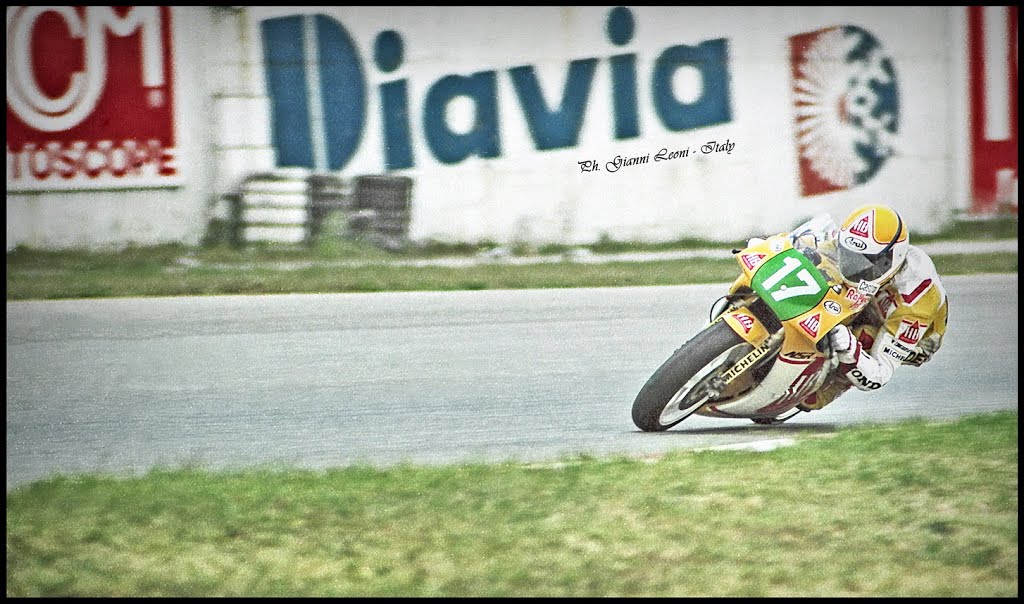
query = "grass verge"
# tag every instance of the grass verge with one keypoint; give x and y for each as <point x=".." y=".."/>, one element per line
<point x="176" y="270"/>
<point x="907" y="509"/>
<point x="100" y="277"/>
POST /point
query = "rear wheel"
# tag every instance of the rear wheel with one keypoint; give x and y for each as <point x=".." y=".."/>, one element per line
<point x="685" y="382"/>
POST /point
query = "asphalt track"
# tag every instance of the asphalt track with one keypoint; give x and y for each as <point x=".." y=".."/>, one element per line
<point x="125" y="385"/>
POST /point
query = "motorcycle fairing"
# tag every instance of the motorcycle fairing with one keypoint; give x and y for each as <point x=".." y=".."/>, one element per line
<point x="809" y="302"/>
<point x="746" y="325"/>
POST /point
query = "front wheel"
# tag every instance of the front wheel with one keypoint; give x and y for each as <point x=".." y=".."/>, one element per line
<point x="680" y="386"/>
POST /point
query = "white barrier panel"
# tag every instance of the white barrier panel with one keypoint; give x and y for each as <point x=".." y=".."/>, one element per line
<point x="537" y="123"/>
<point x="274" y="234"/>
<point x="636" y="123"/>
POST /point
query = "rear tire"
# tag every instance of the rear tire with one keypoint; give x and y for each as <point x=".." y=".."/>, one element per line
<point x="656" y="407"/>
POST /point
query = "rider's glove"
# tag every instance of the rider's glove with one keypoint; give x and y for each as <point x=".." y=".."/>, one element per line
<point x="847" y="347"/>
<point x="755" y="241"/>
<point x="863" y="370"/>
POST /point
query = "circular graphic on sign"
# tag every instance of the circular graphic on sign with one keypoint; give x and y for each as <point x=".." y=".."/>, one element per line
<point x="849" y="105"/>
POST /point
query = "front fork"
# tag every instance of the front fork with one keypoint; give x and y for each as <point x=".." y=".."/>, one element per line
<point x="734" y="310"/>
<point x="740" y="367"/>
<point x="739" y="312"/>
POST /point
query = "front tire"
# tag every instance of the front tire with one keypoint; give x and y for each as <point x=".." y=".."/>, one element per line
<point x="670" y="396"/>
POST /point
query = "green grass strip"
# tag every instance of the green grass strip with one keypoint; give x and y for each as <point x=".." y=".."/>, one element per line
<point x="909" y="509"/>
<point x="81" y="277"/>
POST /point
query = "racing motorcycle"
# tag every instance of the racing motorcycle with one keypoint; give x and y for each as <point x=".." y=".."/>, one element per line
<point x="765" y="348"/>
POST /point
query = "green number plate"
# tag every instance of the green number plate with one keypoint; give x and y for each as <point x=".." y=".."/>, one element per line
<point x="790" y="284"/>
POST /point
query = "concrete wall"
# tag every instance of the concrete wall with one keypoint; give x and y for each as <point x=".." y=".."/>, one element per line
<point x="492" y="110"/>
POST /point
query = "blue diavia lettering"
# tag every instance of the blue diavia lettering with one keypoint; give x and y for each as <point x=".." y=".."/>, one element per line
<point x="304" y="135"/>
<point x="624" y="103"/>
<point x="560" y="128"/>
<point x="483" y="139"/>
<point x="394" y="103"/>
<point x="711" y="60"/>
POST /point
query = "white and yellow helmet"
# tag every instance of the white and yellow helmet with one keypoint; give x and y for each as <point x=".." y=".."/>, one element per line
<point x="873" y="243"/>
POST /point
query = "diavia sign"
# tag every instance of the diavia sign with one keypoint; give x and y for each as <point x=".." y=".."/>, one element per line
<point x="89" y="97"/>
<point x="319" y="111"/>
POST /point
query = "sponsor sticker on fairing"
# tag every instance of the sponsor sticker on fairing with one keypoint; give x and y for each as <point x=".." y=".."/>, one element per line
<point x="857" y="299"/>
<point x="811" y="324"/>
<point x="744" y="320"/>
<point x="797" y="355"/>
<point x="867" y="288"/>
<point x="752" y="260"/>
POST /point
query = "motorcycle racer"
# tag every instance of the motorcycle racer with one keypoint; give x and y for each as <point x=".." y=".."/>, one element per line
<point x="904" y="321"/>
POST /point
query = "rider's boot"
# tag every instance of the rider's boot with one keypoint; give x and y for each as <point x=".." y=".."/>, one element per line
<point x="833" y="388"/>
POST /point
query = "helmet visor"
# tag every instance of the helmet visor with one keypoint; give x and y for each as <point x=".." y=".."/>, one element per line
<point x="857" y="266"/>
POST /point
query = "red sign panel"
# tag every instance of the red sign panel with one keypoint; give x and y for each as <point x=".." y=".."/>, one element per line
<point x="992" y="57"/>
<point x="90" y="100"/>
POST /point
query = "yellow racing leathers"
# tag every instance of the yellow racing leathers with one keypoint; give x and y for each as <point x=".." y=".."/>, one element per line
<point x="902" y="325"/>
